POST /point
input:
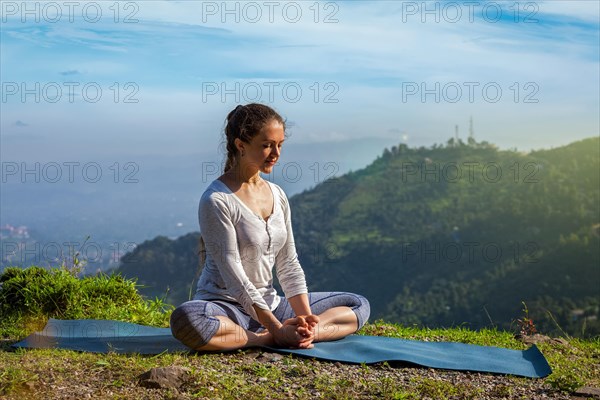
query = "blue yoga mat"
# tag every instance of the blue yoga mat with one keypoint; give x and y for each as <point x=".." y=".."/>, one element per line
<point x="102" y="336"/>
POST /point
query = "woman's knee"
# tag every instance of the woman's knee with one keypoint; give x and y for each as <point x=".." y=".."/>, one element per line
<point x="361" y="307"/>
<point x="356" y="302"/>
<point x="193" y="323"/>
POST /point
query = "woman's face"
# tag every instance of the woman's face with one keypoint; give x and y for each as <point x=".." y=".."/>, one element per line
<point x="264" y="149"/>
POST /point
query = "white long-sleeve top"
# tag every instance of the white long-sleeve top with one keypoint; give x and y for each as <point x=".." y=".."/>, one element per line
<point x="242" y="249"/>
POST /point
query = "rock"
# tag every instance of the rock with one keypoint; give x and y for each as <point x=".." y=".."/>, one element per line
<point x="533" y="339"/>
<point x="271" y="357"/>
<point x="537" y="338"/>
<point x="562" y="341"/>
<point x="164" y="377"/>
<point x="588" y="391"/>
<point x="30" y="386"/>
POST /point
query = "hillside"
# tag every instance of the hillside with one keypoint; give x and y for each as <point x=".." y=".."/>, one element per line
<point x="443" y="236"/>
<point x="163" y="267"/>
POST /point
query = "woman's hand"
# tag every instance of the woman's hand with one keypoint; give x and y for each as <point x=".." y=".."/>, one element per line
<point x="298" y="332"/>
<point x="306" y="324"/>
<point x="305" y="320"/>
<point x="288" y="336"/>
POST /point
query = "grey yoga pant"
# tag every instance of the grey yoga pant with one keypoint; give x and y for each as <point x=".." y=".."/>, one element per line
<point x="194" y="323"/>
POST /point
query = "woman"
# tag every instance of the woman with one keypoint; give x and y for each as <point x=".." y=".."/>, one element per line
<point x="247" y="230"/>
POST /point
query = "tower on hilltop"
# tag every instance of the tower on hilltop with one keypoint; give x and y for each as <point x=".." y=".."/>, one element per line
<point x="471" y="131"/>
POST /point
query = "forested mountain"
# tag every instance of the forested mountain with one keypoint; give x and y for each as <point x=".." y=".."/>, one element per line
<point x="163" y="267"/>
<point x="447" y="235"/>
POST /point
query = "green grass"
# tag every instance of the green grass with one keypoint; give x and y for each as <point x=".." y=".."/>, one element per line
<point x="437" y="389"/>
<point x="242" y="375"/>
<point x="574" y="365"/>
<point x="484" y="337"/>
<point x="29" y="297"/>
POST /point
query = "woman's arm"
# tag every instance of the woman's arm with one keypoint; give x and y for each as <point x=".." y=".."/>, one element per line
<point x="291" y="276"/>
<point x="289" y="271"/>
<point x="300" y="305"/>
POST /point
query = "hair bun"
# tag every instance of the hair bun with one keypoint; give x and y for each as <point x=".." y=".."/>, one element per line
<point x="234" y="111"/>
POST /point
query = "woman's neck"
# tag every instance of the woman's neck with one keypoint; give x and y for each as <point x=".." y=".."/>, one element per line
<point x="236" y="174"/>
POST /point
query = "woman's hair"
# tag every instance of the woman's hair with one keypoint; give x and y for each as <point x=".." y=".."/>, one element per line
<point x="245" y="122"/>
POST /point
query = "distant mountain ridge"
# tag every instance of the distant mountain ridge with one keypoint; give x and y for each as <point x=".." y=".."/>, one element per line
<point x="451" y="234"/>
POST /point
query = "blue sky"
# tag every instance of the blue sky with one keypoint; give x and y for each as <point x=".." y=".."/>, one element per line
<point x="355" y="71"/>
<point x="151" y="87"/>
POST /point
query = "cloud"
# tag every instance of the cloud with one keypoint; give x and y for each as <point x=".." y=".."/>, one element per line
<point x="298" y="46"/>
<point x="70" y="72"/>
<point x="362" y="61"/>
<point x="20" y="124"/>
<point x="575" y="9"/>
